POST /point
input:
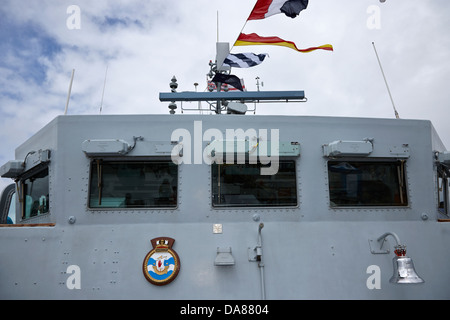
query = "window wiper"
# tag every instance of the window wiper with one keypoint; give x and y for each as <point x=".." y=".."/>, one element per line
<point x="99" y="179"/>
<point x="401" y="178"/>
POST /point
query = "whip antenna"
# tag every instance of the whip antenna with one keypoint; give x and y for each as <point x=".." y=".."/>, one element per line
<point x="384" y="77"/>
<point x="103" y="92"/>
<point x="70" y="90"/>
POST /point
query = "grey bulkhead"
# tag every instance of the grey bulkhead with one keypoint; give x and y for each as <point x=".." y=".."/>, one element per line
<point x="311" y="250"/>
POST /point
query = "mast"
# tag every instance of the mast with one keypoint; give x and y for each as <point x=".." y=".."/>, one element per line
<point x="232" y="101"/>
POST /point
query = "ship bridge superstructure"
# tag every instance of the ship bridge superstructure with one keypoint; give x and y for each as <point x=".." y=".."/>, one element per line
<point x="254" y="206"/>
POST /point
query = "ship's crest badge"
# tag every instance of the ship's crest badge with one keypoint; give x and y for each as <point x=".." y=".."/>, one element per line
<point x="162" y="264"/>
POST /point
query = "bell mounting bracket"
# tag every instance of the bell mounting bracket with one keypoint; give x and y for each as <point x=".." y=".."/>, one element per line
<point x="379" y="247"/>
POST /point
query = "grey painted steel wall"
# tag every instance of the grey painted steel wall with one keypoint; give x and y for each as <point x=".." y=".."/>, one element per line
<point x="312" y="251"/>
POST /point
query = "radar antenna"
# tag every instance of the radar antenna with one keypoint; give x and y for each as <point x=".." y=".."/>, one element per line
<point x="219" y="96"/>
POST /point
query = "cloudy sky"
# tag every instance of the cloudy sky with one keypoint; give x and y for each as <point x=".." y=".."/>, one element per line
<point x="140" y="44"/>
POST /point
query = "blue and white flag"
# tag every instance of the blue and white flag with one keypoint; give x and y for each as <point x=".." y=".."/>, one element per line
<point x="244" y="60"/>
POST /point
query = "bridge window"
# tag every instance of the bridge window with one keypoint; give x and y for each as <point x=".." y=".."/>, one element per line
<point x="8" y="205"/>
<point x="128" y="184"/>
<point x="367" y="183"/>
<point x="35" y="193"/>
<point x="242" y="185"/>
<point x="443" y="189"/>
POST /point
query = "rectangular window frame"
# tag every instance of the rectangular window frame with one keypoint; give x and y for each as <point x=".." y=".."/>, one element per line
<point x="41" y="205"/>
<point x="97" y="169"/>
<point x="215" y="184"/>
<point x="401" y="186"/>
<point x="443" y="197"/>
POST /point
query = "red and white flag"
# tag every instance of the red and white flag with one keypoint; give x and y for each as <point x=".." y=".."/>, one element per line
<point x="267" y="8"/>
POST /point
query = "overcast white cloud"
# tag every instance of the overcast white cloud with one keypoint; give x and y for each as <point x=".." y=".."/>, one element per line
<point x="143" y="44"/>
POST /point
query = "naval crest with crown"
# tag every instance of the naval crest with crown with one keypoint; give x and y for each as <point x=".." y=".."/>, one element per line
<point x="162" y="264"/>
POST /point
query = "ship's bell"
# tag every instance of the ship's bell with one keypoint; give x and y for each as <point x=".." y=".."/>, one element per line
<point x="404" y="271"/>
